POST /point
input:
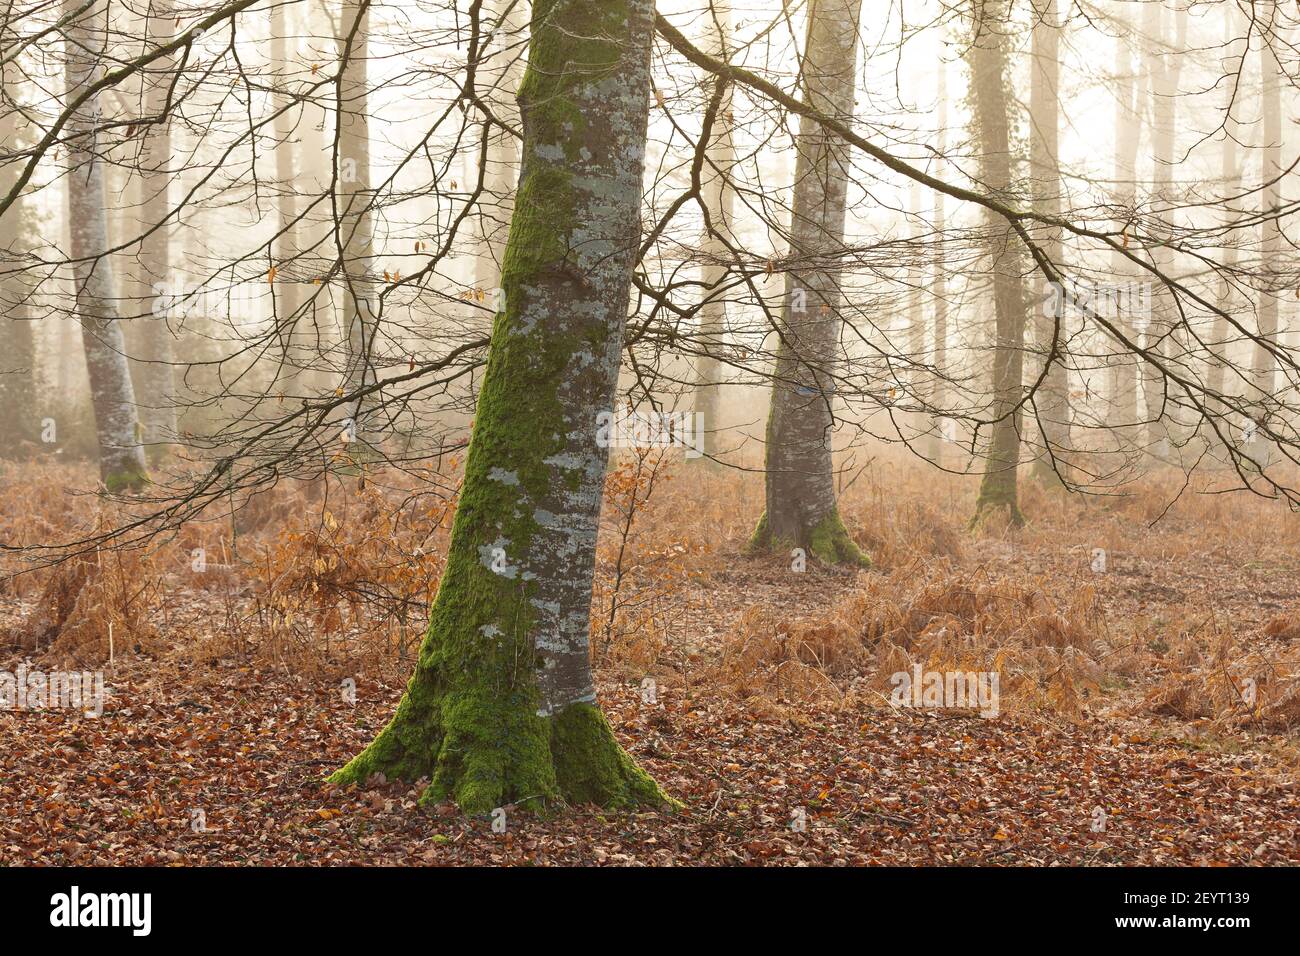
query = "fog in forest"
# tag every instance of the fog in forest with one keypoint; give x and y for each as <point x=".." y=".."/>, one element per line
<point x="590" y="432"/>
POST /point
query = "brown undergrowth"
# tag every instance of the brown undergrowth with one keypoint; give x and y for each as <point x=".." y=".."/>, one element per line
<point x="1194" y="618"/>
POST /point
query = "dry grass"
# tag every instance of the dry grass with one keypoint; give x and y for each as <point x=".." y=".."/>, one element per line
<point x="1195" y="619"/>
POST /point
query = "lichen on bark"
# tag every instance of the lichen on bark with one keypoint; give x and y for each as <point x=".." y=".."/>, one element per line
<point x="501" y="709"/>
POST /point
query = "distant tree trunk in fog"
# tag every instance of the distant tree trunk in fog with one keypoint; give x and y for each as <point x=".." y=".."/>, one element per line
<point x="501" y="708"/>
<point x="356" y="227"/>
<point x="1165" y="55"/>
<point x="18" y="424"/>
<point x="916" y="325"/>
<point x="154" y="373"/>
<point x="1052" y="401"/>
<point x="501" y="166"/>
<point x="321" y="333"/>
<point x="999" y="489"/>
<point x="288" y="288"/>
<point x="800" y="486"/>
<point x="1130" y="96"/>
<point x="718" y="199"/>
<point x="1227" y="300"/>
<point x="939" y="399"/>
<point x="117" y="422"/>
<point x="1271" y="79"/>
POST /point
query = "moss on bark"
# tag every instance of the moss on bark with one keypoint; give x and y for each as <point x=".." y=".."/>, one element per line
<point x="1043" y="472"/>
<point x="479" y="719"/>
<point x="828" y="541"/>
<point x="125" y="479"/>
<point x="998" y="494"/>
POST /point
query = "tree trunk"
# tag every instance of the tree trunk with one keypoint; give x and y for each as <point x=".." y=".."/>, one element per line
<point x="999" y="488"/>
<point x="939" y="399"/>
<point x="1165" y="68"/>
<point x="1130" y="94"/>
<point x="156" y="364"/>
<point x="287" y="246"/>
<point x="799" y="482"/>
<point x="355" y="227"/>
<point x="18" y="421"/>
<point x="1051" y="404"/>
<point x="1271" y="79"/>
<point x="1227" y="300"/>
<point x="718" y="198"/>
<point x="117" y="423"/>
<point x="501" y="708"/>
<point x="502" y="67"/>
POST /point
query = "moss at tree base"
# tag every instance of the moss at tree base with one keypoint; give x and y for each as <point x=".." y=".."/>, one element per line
<point x="999" y="492"/>
<point x="127" y="479"/>
<point x="1044" y="473"/>
<point x="591" y="767"/>
<point x="828" y="541"/>
<point x="483" y="756"/>
<point x="761" y="538"/>
<point x="986" y="507"/>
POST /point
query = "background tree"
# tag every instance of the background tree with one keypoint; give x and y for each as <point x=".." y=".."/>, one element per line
<point x="117" y="422"/>
<point x="999" y="489"/>
<point x="800" y="509"/>
<point x="1052" y="334"/>
<point x="718" y="203"/>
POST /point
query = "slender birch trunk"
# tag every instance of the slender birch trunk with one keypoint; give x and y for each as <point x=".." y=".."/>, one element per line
<point x="1231" y="176"/>
<point x="1272" y="77"/>
<point x="940" y="268"/>
<point x="503" y="68"/>
<point x="1166" y="69"/>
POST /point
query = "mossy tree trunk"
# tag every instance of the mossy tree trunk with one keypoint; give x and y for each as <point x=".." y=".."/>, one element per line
<point x="501" y="708"/>
<point x="117" y="421"/>
<point x="801" y="510"/>
<point x="999" y="488"/>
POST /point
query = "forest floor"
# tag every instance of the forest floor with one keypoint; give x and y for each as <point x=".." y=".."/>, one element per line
<point x="1149" y="710"/>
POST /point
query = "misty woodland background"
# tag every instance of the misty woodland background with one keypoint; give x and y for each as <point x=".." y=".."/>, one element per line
<point x="983" y="312"/>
